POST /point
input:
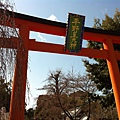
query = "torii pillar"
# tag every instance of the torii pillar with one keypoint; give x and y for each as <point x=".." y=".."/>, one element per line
<point x="17" y="105"/>
<point x="114" y="72"/>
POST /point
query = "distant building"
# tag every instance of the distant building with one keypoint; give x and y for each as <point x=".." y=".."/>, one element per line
<point x="79" y="115"/>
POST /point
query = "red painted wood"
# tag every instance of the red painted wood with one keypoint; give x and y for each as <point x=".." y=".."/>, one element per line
<point x="17" y="113"/>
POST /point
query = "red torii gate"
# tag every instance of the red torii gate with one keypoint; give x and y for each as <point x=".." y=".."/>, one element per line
<point x="26" y="23"/>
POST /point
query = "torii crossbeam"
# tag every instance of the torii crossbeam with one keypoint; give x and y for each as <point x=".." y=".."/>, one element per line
<point x="26" y="23"/>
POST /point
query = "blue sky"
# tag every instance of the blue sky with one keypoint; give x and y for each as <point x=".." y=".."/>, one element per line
<point x="40" y="63"/>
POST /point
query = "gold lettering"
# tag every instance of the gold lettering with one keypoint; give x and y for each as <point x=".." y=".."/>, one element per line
<point x="76" y="21"/>
<point x="73" y="45"/>
<point x="75" y="28"/>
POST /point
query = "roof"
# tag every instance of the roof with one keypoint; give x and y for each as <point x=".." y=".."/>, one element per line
<point x="60" y="24"/>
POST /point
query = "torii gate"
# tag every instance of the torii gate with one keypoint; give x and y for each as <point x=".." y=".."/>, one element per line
<point x="26" y="23"/>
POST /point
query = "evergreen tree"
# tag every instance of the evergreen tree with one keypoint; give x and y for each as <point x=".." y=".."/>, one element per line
<point x="5" y="94"/>
<point x="98" y="71"/>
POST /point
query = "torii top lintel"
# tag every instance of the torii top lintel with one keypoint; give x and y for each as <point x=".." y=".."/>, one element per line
<point x="58" y="28"/>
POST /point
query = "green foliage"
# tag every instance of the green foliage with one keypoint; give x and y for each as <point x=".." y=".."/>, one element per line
<point x="30" y="113"/>
<point x="5" y="94"/>
<point x="109" y="23"/>
<point x="98" y="71"/>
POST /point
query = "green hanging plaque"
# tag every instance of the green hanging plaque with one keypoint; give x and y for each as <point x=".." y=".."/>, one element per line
<point x="74" y="33"/>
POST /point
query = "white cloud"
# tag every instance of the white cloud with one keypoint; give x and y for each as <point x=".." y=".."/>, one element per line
<point x="104" y="11"/>
<point x="52" y="17"/>
<point x="42" y="39"/>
